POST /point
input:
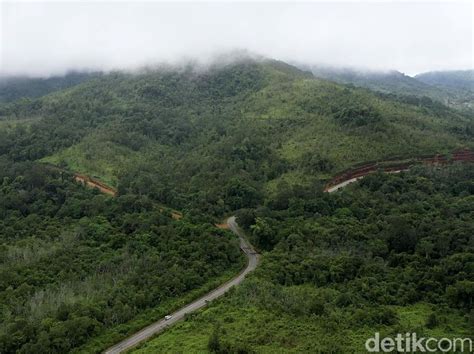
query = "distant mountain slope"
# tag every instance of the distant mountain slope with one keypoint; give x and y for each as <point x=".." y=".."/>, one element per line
<point x="13" y="88"/>
<point x="385" y="81"/>
<point x="449" y="91"/>
<point x="459" y="83"/>
<point x="452" y="80"/>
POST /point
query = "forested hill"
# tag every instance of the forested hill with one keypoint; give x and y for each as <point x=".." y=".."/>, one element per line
<point x="452" y="88"/>
<point x="385" y="81"/>
<point x="14" y="88"/>
<point x="456" y="79"/>
<point x="220" y="138"/>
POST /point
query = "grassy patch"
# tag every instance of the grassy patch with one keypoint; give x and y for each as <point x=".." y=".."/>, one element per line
<point x="267" y="332"/>
<point x="96" y="159"/>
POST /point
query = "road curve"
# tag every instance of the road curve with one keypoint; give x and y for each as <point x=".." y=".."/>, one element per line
<point x="338" y="186"/>
<point x="160" y="325"/>
<point x="343" y="184"/>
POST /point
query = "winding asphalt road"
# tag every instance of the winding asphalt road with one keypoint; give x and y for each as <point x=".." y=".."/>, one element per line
<point x="159" y="326"/>
<point x="338" y="186"/>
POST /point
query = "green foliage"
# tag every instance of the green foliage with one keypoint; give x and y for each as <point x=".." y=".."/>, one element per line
<point x="356" y="115"/>
<point x="216" y="140"/>
<point x="74" y="263"/>
<point x="455" y="79"/>
<point x="432" y="321"/>
<point x="214" y="344"/>
<point x="391" y="254"/>
<point x="432" y="89"/>
<point x="14" y="88"/>
<point x="258" y="136"/>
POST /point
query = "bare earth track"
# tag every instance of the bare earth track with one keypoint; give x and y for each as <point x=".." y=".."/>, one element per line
<point x="93" y="183"/>
<point x="393" y="166"/>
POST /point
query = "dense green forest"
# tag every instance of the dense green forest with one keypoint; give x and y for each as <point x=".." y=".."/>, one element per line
<point x="80" y="270"/>
<point x="392" y="254"/>
<point x="74" y="263"/>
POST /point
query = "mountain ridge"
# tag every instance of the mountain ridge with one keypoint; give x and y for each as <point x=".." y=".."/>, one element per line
<point x="395" y="82"/>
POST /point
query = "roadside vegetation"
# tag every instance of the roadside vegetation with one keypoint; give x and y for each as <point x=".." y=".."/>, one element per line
<point x="391" y="254"/>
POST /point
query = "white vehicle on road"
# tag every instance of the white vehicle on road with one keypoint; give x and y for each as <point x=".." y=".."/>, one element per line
<point x="159" y="326"/>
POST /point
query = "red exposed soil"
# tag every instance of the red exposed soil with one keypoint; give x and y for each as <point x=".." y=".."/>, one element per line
<point x="90" y="182"/>
<point x="176" y="215"/>
<point x="93" y="183"/>
<point x="223" y="226"/>
<point x="463" y="155"/>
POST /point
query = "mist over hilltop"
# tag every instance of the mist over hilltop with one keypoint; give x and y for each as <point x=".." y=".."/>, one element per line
<point x="44" y="39"/>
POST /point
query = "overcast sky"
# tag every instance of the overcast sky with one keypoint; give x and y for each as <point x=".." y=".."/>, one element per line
<point x="43" y="38"/>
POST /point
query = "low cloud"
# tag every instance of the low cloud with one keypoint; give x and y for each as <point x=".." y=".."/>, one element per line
<point x="40" y="39"/>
